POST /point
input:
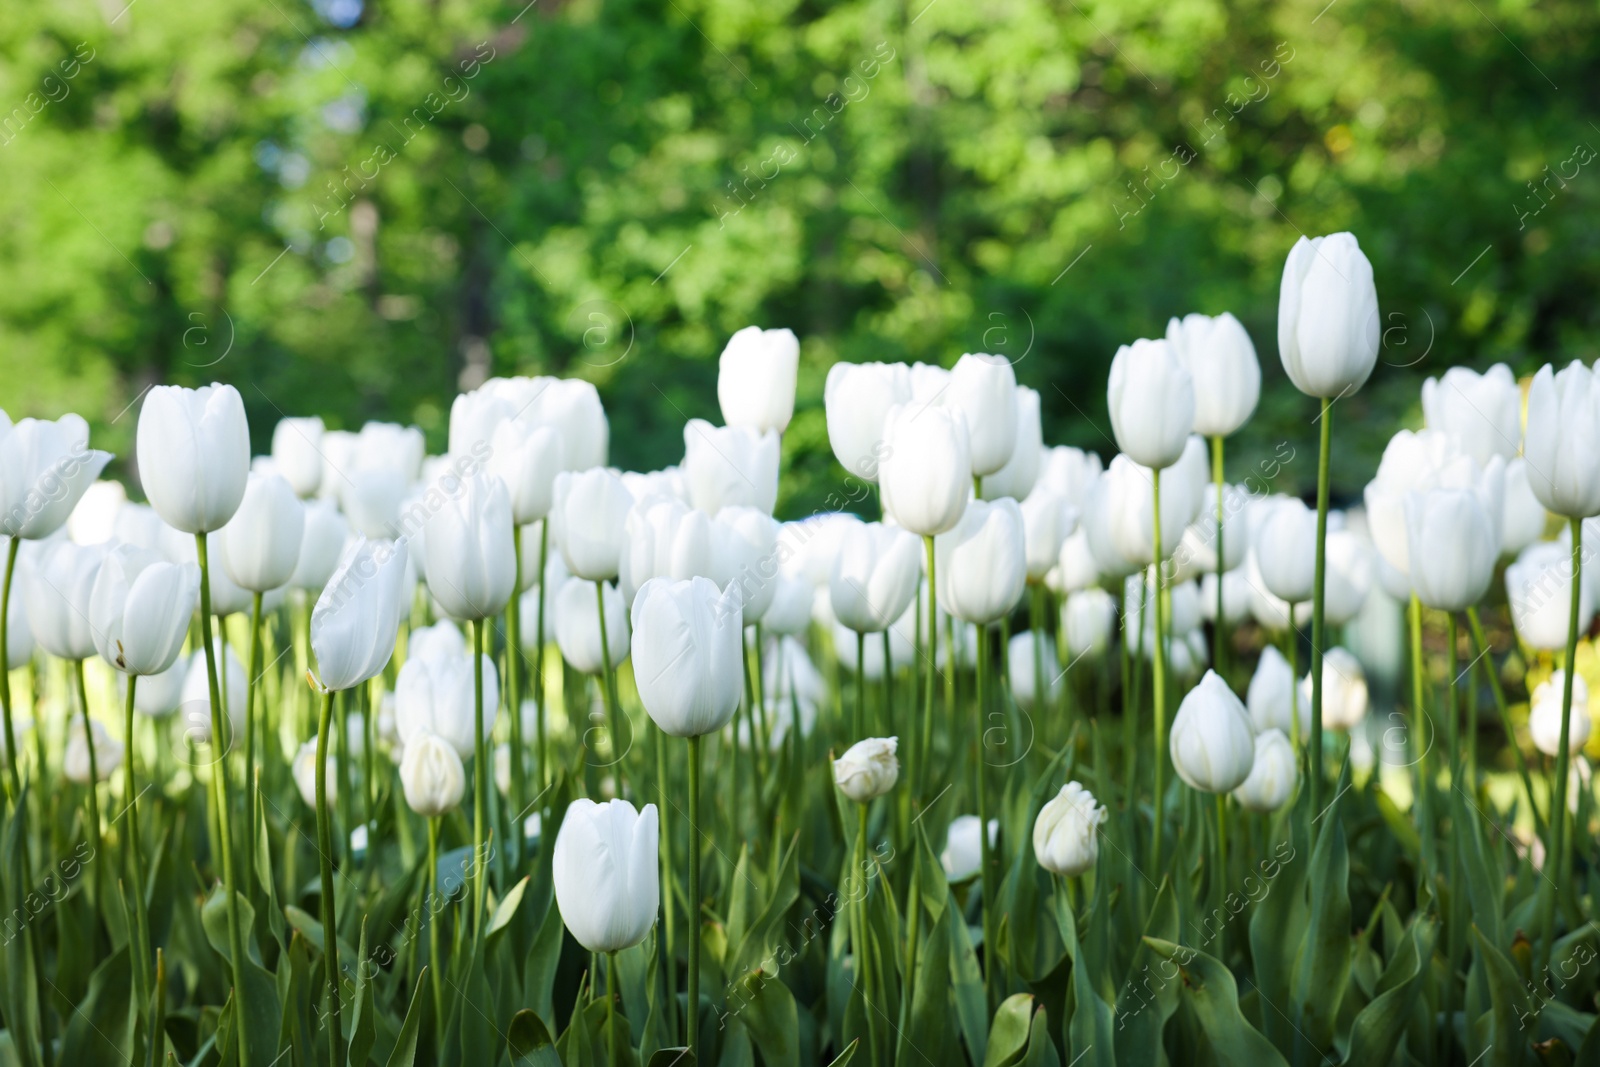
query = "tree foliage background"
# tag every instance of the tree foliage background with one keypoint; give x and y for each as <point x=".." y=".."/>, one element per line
<point x="354" y="209"/>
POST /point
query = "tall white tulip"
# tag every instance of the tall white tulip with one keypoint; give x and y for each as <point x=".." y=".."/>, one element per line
<point x="1562" y="439"/>
<point x="868" y="769"/>
<point x="1452" y="548"/>
<point x="688" y="654"/>
<point x="297" y="453"/>
<point x="59" y="587"/>
<point x="606" y="873"/>
<point x="1328" y="316"/>
<point x="1273" y="774"/>
<point x="1544" y="716"/>
<point x="1344" y="683"/>
<point x="1221" y="361"/>
<point x="431" y="776"/>
<point x="1213" y="744"/>
<point x="434" y="694"/>
<point x="745" y="557"/>
<point x="730" y="465"/>
<point x="1065" y="840"/>
<point x="1088" y="617"/>
<point x="140" y="608"/>
<point x="1483" y="412"/>
<point x="962" y="857"/>
<point x="1349" y="576"/>
<point x="322" y="540"/>
<point x="19" y="635"/>
<point x="926" y="472"/>
<point x="856" y="398"/>
<point x="1271" y="696"/>
<point x="578" y="626"/>
<point x="194" y="454"/>
<point x="981" y="565"/>
<point x="1524" y="518"/>
<point x="527" y="459"/>
<point x="875" y="576"/>
<point x="471" y="561"/>
<point x="572" y="408"/>
<point x="1103" y="520"/>
<point x="982" y="387"/>
<point x="45" y="469"/>
<point x="1151" y="399"/>
<point x="1020" y="664"/>
<point x="1047" y="520"/>
<point x="357" y="617"/>
<point x="756" y="379"/>
<point x="1286" y="550"/>
<point x="264" y="536"/>
<point x="1070" y="472"/>
<point x="1539" y="589"/>
<point x="665" y="539"/>
<point x="1021" y="472"/>
<point x="590" y="522"/>
<point x="75" y="761"/>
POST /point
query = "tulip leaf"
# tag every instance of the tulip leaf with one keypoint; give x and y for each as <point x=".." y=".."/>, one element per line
<point x="362" y="1032"/>
<point x="1509" y="1009"/>
<point x="506" y="909"/>
<point x="967" y="982"/>
<point x="405" y="1046"/>
<point x="1148" y="998"/>
<point x="1008" y="1036"/>
<point x="1380" y="1026"/>
<point x="1089" y="1029"/>
<point x="672" y="1057"/>
<point x="1483" y="878"/>
<point x="929" y="1023"/>
<point x="100" y="1029"/>
<point x="1322" y="966"/>
<point x="530" y="1043"/>
<point x="841" y="1060"/>
<point x="767" y="1009"/>
<point x="258" y="1012"/>
<point x="1208" y="988"/>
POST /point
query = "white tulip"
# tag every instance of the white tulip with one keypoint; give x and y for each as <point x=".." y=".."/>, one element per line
<point x="59" y="587"/>
<point x="982" y="387"/>
<point x="1021" y="665"/>
<point x="578" y="625"/>
<point x="1130" y="503"/>
<point x="1047" y="519"/>
<point x="138" y="524"/>
<point x="297" y="453"/>
<point x="790" y="611"/>
<point x="108" y="753"/>
<point x="868" y="769"/>
<point x="94" y="517"/>
<point x="1524" y="518"/>
<point x="527" y="459"/>
<point x="194" y="454"/>
<point x="925" y="476"/>
<point x="1562" y="438"/>
<point x="665" y="539"/>
<point x="1452" y="548"/>
<point x="745" y="557"/>
<point x="1212" y="742"/>
<point x="688" y="654"/>
<point x="856" y="398"/>
<point x="196" y="693"/>
<point x="1271" y="696"/>
<point x="264" y="536"/>
<point x="1269" y="611"/>
<point x="435" y="693"/>
<point x="304" y="770"/>
<point x="1151" y="399"/>
<point x="1286" y="550"/>
<point x="1076" y="567"/>
<point x="140" y="608"/>
<point x="19" y="634"/>
<point x="981" y="564"/>
<point x="322" y="541"/>
<point x="1348" y="579"/>
<point x="1065" y="840"/>
<point x="354" y="623"/>
<point x="756" y="379"/>
<point x="1539" y="589"/>
<point x="1544" y="718"/>
<point x="962" y="857"/>
<point x="1328" y="316"/>
<point x="1344" y="692"/>
<point x="1087" y="619"/>
<point x="1221" y="361"/>
<point x="45" y="468"/>
<point x="432" y="776"/>
<point x="875" y="575"/>
<point x="730" y="465"/>
<point x="471" y="558"/>
<point x="648" y="487"/>
<point x="1199" y="546"/>
<point x="606" y="870"/>
<point x="590" y="522"/>
<point x="1021" y="472"/>
<point x="1103" y="518"/>
<point x="372" y="498"/>
<point x="1273" y="775"/>
<point x="1070" y="472"/>
<point x="1483" y="412"/>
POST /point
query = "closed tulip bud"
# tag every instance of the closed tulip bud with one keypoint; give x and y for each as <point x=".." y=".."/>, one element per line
<point x="140" y="608"/>
<point x="790" y="610"/>
<point x="138" y="524"/>
<point x="688" y="654"/>
<point x="357" y="617"/>
<point x="194" y="454"/>
<point x="1271" y="695"/>
<point x="756" y="379"/>
<point x="322" y="538"/>
<point x="650" y="487"/>
<point x="1544" y="718"/>
<point x="1222" y="363"/>
<point x="868" y="769"/>
<point x="1269" y="611"/>
<point x="1523" y="519"/>
<point x="45" y="469"/>
<point x="981" y="565"/>
<point x="476" y="416"/>
<point x="1101" y="519"/>
<point x="75" y="760"/>
<point x="1070" y="472"/>
<point x="58" y="587"/>
<point x="1088" y="618"/>
<point x="297" y="452"/>
<point x="158" y="695"/>
<point x="1020" y="669"/>
<point x="1129" y="504"/>
<point x="1212" y="743"/>
<point x="962" y="857"/>
<point x="1562" y="439"/>
<point x="1272" y="776"/>
<point x="1021" y="472"/>
<point x="729" y="466"/>
<point x="1483" y="412"/>
<point x="607" y="873"/>
<point x="1348" y="578"/>
<point x="578" y="626"/>
<point x="745" y="557"/>
<point x="264" y="536"/>
<point x="431" y="775"/>
<point x="435" y="693"/>
<point x="1151" y="399"/>
<point x="925" y="477"/>
<point x="527" y="459"/>
<point x="1539" y="589"/>
<point x="1076" y="566"/>
<point x="1344" y="692"/>
<point x="1199" y="546"/>
<point x="1328" y="316"/>
<point x="1235" y="597"/>
<point x="1286" y="550"/>
<point x="19" y="634"/>
<point x="983" y="388"/>
<point x="372" y="498"/>
<point x="471" y="559"/>
<point x="1452" y="548"/>
<point x="196" y="693"/>
<point x="304" y="769"/>
<point x="1047" y="519"/>
<point x="665" y="539"/>
<point x="856" y="398"/>
<point x="1065" y="835"/>
<point x="94" y="517"/>
<point x="590" y="522"/>
<point x="1411" y="462"/>
<point x="875" y="575"/>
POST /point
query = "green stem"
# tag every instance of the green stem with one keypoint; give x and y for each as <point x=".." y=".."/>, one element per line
<point x="694" y="896"/>
<point x="13" y="780"/>
<point x="1291" y="652"/>
<point x="158" y="1027"/>
<point x="519" y="780"/>
<point x="435" y="914"/>
<point x="1041" y="703"/>
<point x="1483" y="654"/>
<point x="330" y="912"/>
<point x="1217" y="642"/>
<point x="131" y="854"/>
<point x="607" y="690"/>
<point x="538" y="661"/>
<point x="93" y="799"/>
<point x="1556" y="853"/>
<point x="1317" y="598"/>
<point x="863" y="949"/>
<point x="1424" y="798"/>
<point x="1220" y="874"/>
<point x="481" y="773"/>
<point x="667" y="911"/>
<point x="219" y="785"/>
<point x="990" y="955"/>
<point x="860" y="718"/>
<point x="1457" y="932"/>
<point x="250" y="784"/>
<point x="1159" y="686"/>
<point x="614" y="1034"/>
<point x="920" y="773"/>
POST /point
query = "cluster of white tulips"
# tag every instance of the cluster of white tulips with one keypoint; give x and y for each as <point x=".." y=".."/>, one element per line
<point x="368" y="559"/>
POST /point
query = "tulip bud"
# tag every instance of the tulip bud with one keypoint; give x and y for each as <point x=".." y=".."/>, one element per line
<point x="264" y="536"/>
<point x="1151" y="399"/>
<point x="790" y="610"/>
<point x="1286" y="550"/>
<point x="357" y="617"/>
<point x="578" y="625"/>
<point x="1539" y="589"/>
<point x="372" y="498"/>
<point x="1483" y="412"/>
<point x="45" y="469"/>
<point x="729" y="466"/>
<point x="875" y="575"/>
<point x="981" y="564"/>
<point x="58" y="587"/>
<point x="856" y="399"/>
<point x="321" y="544"/>
<point x="1047" y="519"/>
<point x="589" y="521"/>
<point x="1562" y="438"/>
<point x="304" y="769"/>
<point x="1076" y="566"/>
<point x="1101" y="520"/>
<point x="1348" y="578"/>
<point x="1452" y="548"/>
<point x="138" y="524"/>
<point x="756" y="379"/>
<point x="688" y="654"/>
<point x="1020" y="474"/>
<point x="651" y="487"/>
<point x="1087" y="618"/>
<point x="296" y="450"/>
<point x="431" y="775"/>
<point x="982" y="387"/>
<point x="962" y="857"/>
<point x="75" y="760"/>
<point x="868" y="769"/>
<point x="1064" y="834"/>
<point x="158" y="695"/>
<point x="194" y="454"/>
<point x="925" y="476"/>
<point x="94" y="517"/>
<point x="1020" y="662"/>
<point x="196" y="693"/>
<point x="1272" y="776"/>
<point x="1200" y="539"/>
<point x="1269" y="611"/>
<point x="1129" y="502"/>
<point x="1212" y="743"/>
<point x="745" y="557"/>
<point x="1270" y="697"/>
<point x="435" y="694"/>
<point x="1544" y="720"/>
<point x="607" y="873"/>
<point x="1221" y="362"/>
<point x="572" y="408"/>
<point x="471" y="560"/>
<point x="527" y="459"/>
<point x="1523" y="519"/>
<point x="139" y="610"/>
<point x="1344" y="692"/>
<point x="1235" y="597"/>
<point x="19" y="634"/>
<point x="1328" y="316"/>
<point x="665" y="539"/>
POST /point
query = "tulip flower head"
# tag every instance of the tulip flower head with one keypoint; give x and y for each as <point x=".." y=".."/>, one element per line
<point x="962" y="857"/>
<point x="925" y="476"/>
<point x="876" y="574"/>
<point x="1328" y="316"/>
<point x="756" y="379"/>
<point x="1088" y="618"/>
<point x="194" y="454"/>
<point x="728" y="466"/>
<point x="868" y="769"/>
<point x="1272" y="776"/>
<point x="856" y="398"/>
<point x="1212" y="742"/>
<point x="1222" y="364"/>
<point x="357" y="617"/>
<point x="688" y="654"/>
<point x="471" y="558"/>
<point x="1344" y="692"/>
<point x="1065" y="835"/>
<point x="1270" y="698"/>
<point x="45" y="469"/>
<point x="140" y="608"/>
<point x="1544" y="716"/>
<point x="59" y="587"/>
<point x="297" y="453"/>
<point x="607" y="873"/>
<point x="1562" y="440"/>
<point x="1453" y="547"/>
<point x="981" y="564"/>
<point x="589" y="520"/>
<point x="108" y="753"/>
<point x="1483" y="412"/>
<point x="434" y="693"/>
<point x="431" y="775"/>
<point x="1021" y="673"/>
<point x="983" y="387"/>
<point x="1151" y="399"/>
<point x="1539" y="589"/>
<point x="264" y="536"/>
<point x="578" y="626"/>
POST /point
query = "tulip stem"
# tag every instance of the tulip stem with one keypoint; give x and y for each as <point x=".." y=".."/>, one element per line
<point x="1424" y="798"/>
<point x="330" y="913"/>
<point x="1291" y="652"/>
<point x="1555" y="855"/>
<point x="1217" y="640"/>
<point x="613" y="1032"/>
<point x="990" y="956"/>
<point x="608" y="690"/>
<point x="93" y="801"/>
<point x="863" y="952"/>
<point x="1483" y="654"/>
<point x="219" y="787"/>
<point x="250" y="730"/>
<point x="1159" y="663"/>
<point x="131" y="854"/>
<point x="1036" y="628"/>
<point x="670" y="970"/>
<point x="1456" y="933"/>
<point x="436" y="910"/>
<point x="860" y="717"/>
<point x="1317" y="604"/>
<point x="693" y="1007"/>
<point x="13" y="780"/>
<point x="919" y="773"/>
<point x="514" y="697"/>
<point x="538" y="662"/>
<point x="480" y="778"/>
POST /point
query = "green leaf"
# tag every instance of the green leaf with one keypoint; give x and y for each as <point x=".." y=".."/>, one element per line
<point x="1279" y="924"/>
<point x="1207" y="987"/>
<point x="405" y="1049"/>
<point x="966" y="981"/>
<point x="768" y="1012"/>
<point x="1147" y="999"/>
<point x="1089" y="1030"/>
<point x="506" y="910"/>
<point x="1008" y="1037"/>
<point x="530" y="1042"/>
<point x="100" y="1030"/>
<point x="1381" y="1025"/>
<point x="1322" y="967"/>
<point x="1508" y="1004"/>
<point x="362" y="1033"/>
<point x="1041" y="1052"/>
<point x="929" y="1024"/>
<point x="682" y="1057"/>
